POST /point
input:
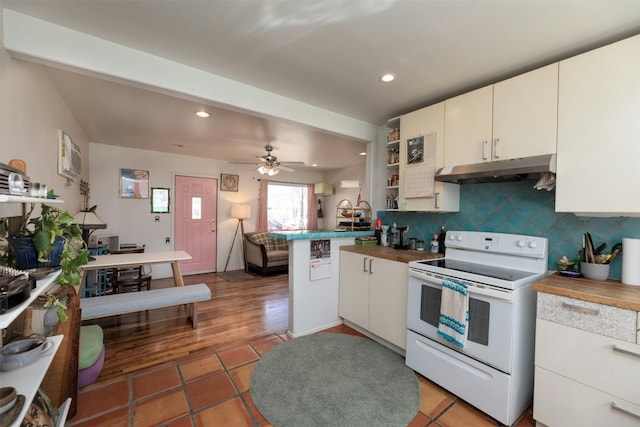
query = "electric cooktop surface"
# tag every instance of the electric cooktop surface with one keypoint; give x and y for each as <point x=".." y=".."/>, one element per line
<point x="478" y="269"/>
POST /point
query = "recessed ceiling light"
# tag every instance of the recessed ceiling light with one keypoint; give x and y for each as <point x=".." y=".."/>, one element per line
<point x="388" y="77"/>
<point x="364" y="153"/>
<point x="202" y="114"/>
<point x="314" y="165"/>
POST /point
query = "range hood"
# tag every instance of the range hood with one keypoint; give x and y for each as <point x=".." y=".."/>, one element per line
<point x="499" y="170"/>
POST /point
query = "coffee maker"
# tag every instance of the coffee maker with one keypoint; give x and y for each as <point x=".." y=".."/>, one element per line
<point x="400" y="238"/>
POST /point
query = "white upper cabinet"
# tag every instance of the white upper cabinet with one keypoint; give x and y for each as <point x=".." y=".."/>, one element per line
<point x="511" y="119"/>
<point x="525" y="114"/>
<point x="599" y="131"/>
<point x="468" y="126"/>
<point x="428" y="121"/>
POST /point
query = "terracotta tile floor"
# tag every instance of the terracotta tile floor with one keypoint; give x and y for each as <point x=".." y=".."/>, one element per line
<point x="212" y="389"/>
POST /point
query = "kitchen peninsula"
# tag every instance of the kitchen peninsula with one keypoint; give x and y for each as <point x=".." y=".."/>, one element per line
<point x="314" y="279"/>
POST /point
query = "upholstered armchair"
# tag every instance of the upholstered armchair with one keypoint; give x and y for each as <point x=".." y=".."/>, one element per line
<point x="265" y="254"/>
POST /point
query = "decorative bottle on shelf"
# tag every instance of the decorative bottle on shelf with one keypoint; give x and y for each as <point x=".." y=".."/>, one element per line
<point x="434" y="244"/>
<point x="441" y="239"/>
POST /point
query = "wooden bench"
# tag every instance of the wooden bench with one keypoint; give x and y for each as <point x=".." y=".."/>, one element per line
<point x="132" y="302"/>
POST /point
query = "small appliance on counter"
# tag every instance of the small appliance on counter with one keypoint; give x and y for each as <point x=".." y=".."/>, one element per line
<point x="401" y="241"/>
<point x="384" y="236"/>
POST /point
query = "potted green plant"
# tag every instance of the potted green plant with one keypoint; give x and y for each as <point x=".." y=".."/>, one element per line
<point x="47" y="240"/>
<point x="51" y="240"/>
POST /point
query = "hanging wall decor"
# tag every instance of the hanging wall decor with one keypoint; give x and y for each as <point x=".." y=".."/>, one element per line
<point x="229" y="182"/>
<point x="134" y="184"/>
<point x="160" y="200"/>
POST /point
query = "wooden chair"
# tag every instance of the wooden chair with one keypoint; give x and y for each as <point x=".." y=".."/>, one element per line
<point x="132" y="278"/>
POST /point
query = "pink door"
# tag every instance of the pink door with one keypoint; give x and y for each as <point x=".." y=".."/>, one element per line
<point x="195" y="227"/>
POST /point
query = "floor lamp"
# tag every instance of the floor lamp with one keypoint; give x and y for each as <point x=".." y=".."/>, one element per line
<point x="241" y="212"/>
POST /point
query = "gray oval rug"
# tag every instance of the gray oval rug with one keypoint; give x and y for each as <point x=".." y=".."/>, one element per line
<point x="336" y="380"/>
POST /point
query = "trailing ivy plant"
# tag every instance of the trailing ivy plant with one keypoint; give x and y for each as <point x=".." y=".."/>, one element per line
<point x="51" y="223"/>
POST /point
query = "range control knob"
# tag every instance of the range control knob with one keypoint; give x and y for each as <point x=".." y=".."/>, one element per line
<point x="533" y="245"/>
<point x="459" y="238"/>
<point x="521" y="243"/>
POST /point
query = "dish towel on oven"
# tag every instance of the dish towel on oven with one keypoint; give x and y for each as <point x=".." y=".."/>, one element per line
<point x="454" y="312"/>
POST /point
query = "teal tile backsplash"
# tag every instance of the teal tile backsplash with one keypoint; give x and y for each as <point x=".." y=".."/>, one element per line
<point x="517" y="208"/>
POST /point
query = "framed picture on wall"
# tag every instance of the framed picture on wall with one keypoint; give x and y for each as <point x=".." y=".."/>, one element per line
<point x="229" y="182"/>
<point x="160" y="200"/>
<point x="134" y="184"/>
<point x="415" y="150"/>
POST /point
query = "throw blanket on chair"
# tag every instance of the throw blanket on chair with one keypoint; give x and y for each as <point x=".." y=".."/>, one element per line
<point x="454" y="312"/>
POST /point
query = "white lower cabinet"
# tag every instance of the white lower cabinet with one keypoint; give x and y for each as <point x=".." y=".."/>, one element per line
<point x="560" y="401"/>
<point x="373" y="295"/>
<point x="582" y="376"/>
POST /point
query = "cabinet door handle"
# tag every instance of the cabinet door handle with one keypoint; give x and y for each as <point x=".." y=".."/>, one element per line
<point x="370" y="265"/>
<point x="624" y="409"/>
<point x="437" y="205"/>
<point x="581" y="310"/>
<point x="484" y="150"/>
<point x="364" y="264"/>
<point x="496" y="144"/>
<point x="630" y="352"/>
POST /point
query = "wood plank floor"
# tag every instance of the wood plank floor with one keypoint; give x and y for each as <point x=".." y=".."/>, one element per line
<point x="237" y="312"/>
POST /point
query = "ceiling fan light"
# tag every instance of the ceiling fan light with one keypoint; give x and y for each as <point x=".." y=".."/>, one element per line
<point x="273" y="171"/>
<point x="262" y="169"/>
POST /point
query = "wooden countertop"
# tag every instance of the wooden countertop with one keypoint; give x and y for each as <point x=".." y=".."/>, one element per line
<point x="609" y="292"/>
<point x="387" y="252"/>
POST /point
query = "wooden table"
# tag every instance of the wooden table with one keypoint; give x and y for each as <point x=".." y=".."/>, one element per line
<point x="135" y="259"/>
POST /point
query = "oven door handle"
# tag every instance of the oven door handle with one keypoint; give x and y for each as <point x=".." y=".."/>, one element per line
<point x="474" y="290"/>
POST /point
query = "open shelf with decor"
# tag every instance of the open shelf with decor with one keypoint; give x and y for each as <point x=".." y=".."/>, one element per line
<point x="353" y="217"/>
<point x="12" y="314"/>
<point x="7" y="198"/>
<point x="27" y="380"/>
<point x="393" y="164"/>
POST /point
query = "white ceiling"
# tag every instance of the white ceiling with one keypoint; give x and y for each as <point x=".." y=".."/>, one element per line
<point x="327" y="53"/>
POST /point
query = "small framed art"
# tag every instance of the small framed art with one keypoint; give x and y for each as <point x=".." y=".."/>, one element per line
<point x="134" y="184"/>
<point x="160" y="200"/>
<point x="229" y="182"/>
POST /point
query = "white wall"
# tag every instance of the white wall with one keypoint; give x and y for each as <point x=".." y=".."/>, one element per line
<point x="31" y="112"/>
<point x="132" y="220"/>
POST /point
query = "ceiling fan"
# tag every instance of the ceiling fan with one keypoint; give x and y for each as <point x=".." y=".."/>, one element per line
<point x="269" y="164"/>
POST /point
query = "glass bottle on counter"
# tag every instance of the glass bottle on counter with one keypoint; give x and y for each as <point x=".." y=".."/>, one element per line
<point x="441" y="239"/>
